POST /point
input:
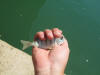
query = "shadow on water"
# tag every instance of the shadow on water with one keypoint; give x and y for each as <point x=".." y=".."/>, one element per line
<point x="16" y="17"/>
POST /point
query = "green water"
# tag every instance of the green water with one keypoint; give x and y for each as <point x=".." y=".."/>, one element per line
<point x="79" y="20"/>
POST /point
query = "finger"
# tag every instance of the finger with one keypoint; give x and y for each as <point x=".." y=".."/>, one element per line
<point x="57" y="33"/>
<point x="40" y="35"/>
<point x="49" y="34"/>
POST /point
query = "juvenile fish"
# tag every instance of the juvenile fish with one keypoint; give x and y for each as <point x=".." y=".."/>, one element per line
<point x="44" y="44"/>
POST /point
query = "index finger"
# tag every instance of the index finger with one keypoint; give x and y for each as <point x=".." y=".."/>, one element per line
<point x="57" y="32"/>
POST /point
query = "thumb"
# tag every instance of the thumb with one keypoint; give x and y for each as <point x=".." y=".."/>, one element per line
<point x="34" y="50"/>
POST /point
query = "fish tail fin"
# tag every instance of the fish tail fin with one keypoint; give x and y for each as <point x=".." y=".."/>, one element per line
<point x="26" y="44"/>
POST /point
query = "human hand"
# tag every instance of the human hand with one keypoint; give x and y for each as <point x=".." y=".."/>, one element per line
<point x="50" y="62"/>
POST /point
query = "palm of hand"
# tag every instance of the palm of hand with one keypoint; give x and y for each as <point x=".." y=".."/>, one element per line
<point x="47" y="60"/>
<point x="50" y="58"/>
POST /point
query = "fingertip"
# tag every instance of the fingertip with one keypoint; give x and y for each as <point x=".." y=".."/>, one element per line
<point x="49" y="34"/>
<point x="57" y="29"/>
<point x="57" y="32"/>
<point x="40" y="35"/>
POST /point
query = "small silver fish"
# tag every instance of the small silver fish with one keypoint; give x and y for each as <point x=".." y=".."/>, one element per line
<point x="47" y="44"/>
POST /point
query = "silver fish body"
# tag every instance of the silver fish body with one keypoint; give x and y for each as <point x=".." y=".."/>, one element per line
<point x="49" y="44"/>
<point x="44" y="44"/>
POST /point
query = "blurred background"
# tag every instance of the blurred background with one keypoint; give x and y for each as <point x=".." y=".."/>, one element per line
<point x="78" y="19"/>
